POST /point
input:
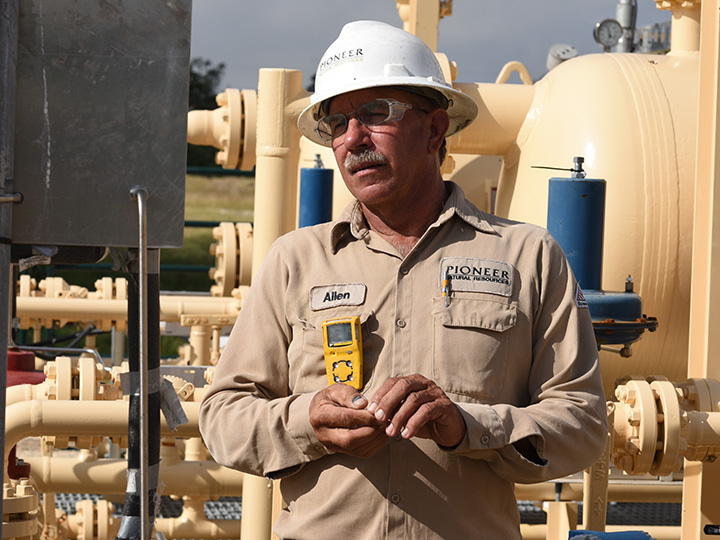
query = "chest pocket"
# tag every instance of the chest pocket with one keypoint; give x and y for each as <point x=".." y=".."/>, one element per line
<point x="308" y="372"/>
<point x="471" y="346"/>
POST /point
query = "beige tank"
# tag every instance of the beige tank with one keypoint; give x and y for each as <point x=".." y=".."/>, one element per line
<point x="634" y="120"/>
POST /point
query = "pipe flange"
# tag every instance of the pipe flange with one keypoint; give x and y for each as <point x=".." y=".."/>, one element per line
<point x="226" y="252"/>
<point x="668" y="457"/>
<point x="233" y="257"/>
<point x="247" y="157"/>
<point x="85" y="518"/>
<point x="635" y="427"/>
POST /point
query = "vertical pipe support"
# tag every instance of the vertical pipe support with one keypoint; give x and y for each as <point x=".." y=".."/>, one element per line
<point x="685" y="28"/>
<point x="595" y="483"/>
<point x="423" y="21"/>
<point x="281" y="98"/>
<point x="700" y="508"/>
<point x="200" y="345"/>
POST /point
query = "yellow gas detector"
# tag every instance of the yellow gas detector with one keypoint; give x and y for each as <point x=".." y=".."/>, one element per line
<point x="342" y="344"/>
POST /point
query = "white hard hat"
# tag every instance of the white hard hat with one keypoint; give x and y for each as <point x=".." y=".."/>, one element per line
<point x="368" y="54"/>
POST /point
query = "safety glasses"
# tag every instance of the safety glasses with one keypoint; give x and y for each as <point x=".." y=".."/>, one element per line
<point x="373" y="113"/>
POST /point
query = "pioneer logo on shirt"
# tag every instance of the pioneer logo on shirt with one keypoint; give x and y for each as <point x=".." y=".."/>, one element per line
<point x="477" y="275"/>
<point x="339" y="294"/>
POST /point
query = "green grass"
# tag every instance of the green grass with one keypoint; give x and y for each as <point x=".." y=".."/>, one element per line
<point x="221" y="198"/>
<point x="206" y="199"/>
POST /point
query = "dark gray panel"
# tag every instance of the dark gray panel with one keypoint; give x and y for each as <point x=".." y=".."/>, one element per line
<point x="101" y="107"/>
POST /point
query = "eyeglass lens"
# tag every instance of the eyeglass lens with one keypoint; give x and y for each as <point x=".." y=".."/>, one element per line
<point x="372" y="113"/>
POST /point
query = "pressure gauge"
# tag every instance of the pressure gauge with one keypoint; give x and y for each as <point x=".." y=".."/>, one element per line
<point x="608" y="33"/>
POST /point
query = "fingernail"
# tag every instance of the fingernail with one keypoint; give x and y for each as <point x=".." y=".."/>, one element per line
<point x="404" y="433"/>
<point x="389" y="430"/>
<point x="372" y="407"/>
<point x="380" y="415"/>
<point x="359" y="399"/>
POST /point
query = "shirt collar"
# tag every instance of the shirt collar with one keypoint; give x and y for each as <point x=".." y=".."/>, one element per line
<point x="351" y="221"/>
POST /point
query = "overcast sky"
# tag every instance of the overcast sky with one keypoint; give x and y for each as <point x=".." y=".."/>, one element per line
<point x="480" y="35"/>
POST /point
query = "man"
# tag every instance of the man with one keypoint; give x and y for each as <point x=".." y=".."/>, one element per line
<point x="480" y="366"/>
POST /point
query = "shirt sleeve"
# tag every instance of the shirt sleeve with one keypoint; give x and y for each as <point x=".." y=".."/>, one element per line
<point x="566" y="418"/>
<point x="249" y="419"/>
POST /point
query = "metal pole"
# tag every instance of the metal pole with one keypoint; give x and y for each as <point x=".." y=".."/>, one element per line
<point x="8" y="64"/>
<point x="141" y="193"/>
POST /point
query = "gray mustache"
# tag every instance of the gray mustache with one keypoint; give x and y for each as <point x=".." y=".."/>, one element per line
<point x="364" y="158"/>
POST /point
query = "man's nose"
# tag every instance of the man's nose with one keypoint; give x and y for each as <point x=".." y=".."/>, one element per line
<point x="356" y="135"/>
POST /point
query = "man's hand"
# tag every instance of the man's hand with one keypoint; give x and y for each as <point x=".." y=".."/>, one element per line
<point x="342" y="423"/>
<point x="416" y="406"/>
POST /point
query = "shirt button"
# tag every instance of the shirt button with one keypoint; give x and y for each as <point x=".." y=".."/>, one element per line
<point x="398" y="437"/>
<point x="485" y="439"/>
<point x="401" y="323"/>
<point x="404" y="270"/>
<point x="394" y="498"/>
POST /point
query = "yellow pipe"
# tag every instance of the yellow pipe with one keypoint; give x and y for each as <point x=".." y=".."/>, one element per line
<point x="654" y="492"/>
<point x="82" y="309"/>
<point x="193" y="524"/>
<point x="514" y="67"/>
<point x="685" y="28"/>
<point x="700" y="505"/>
<point x="23" y="392"/>
<point x="257" y="508"/>
<point x="100" y="418"/>
<point x="199" y="345"/>
<point x="502" y="112"/>
<point x="54" y="474"/>
<point x="281" y="98"/>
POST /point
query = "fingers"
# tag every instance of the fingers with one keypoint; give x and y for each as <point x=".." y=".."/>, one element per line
<point x="416" y="406"/>
<point x="361" y="442"/>
<point x="342" y="423"/>
<point x="340" y="406"/>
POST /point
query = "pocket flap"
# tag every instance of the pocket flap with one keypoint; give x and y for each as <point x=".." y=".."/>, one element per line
<point x="475" y="313"/>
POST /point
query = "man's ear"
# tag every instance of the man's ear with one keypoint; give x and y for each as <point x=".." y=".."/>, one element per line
<point x="439" y="124"/>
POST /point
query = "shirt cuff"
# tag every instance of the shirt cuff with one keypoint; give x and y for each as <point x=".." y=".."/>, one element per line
<point x="301" y="430"/>
<point x="484" y="430"/>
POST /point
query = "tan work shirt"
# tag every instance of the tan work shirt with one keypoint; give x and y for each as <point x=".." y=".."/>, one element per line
<point x="513" y="348"/>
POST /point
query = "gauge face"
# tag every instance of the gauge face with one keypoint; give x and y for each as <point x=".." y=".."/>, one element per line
<point x="608" y="32"/>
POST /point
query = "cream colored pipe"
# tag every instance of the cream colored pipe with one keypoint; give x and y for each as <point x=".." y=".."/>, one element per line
<point x="502" y="111"/>
<point x="81" y="309"/>
<point x="655" y="492"/>
<point x="100" y="418"/>
<point x="685" y="28"/>
<point x="54" y="474"/>
<point x="192" y="523"/>
<point x="701" y="480"/>
<point x="200" y="345"/>
<point x="281" y="98"/>
<point x="23" y="392"/>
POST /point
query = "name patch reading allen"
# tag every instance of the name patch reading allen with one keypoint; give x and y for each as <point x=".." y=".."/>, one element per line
<point x="340" y="294"/>
<point x="477" y="275"/>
